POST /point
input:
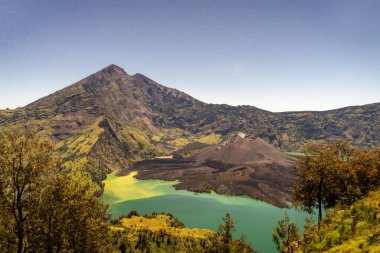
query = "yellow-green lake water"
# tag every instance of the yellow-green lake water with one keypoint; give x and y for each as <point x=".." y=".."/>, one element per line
<point x="254" y="218"/>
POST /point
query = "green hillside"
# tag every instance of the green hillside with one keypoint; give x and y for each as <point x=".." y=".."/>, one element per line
<point x="164" y="233"/>
<point x="347" y="229"/>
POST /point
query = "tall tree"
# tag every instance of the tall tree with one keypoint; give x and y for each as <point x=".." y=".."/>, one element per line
<point x="285" y="235"/>
<point x="48" y="208"/>
<point x="25" y="159"/>
<point x="317" y="171"/>
<point x="69" y="217"/>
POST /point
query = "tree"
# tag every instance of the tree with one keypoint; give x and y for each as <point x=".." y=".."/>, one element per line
<point x="227" y="228"/>
<point x="365" y="165"/>
<point x="309" y="234"/>
<point x="317" y="171"/>
<point x="69" y="216"/>
<point x="25" y="159"/>
<point x="285" y="235"/>
<point x="47" y="208"/>
<point x="358" y="174"/>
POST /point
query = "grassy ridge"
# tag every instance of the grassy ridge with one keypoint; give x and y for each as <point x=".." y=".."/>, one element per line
<point x="158" y="222"/>
<point x="76" y="148"/>
<point x="180" y="138"/>
<point x="348" y="229"/>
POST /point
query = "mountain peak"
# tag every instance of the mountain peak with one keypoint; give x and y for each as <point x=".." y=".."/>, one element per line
<point x="113" y="69"/>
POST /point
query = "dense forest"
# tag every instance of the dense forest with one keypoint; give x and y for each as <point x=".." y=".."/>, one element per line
<point x="47" y="207"/>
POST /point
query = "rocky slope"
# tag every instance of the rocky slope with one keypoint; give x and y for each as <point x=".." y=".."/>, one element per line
<point x="111" y="119"/>
<point x="242" y="165"/>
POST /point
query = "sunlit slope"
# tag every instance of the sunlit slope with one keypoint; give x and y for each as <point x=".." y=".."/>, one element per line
<point x="159" y="222"/>
<point x="164" y="233"/>
<point x="352" y="229"/>
<point x="142" y="119"/>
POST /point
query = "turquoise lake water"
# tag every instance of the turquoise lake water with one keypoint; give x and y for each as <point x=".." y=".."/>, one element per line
<point x="255" y="219"/>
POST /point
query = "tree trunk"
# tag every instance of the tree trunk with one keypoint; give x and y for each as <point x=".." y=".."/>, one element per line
<point x="320" y="186"/>
<point x="20" y="227"/>
<point x="319" y="214"/>
<point x="20" y="235"/>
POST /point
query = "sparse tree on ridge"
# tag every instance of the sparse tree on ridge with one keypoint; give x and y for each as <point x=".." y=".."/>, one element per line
<point x="316" y="186"/>
<point x="332" y="173"/>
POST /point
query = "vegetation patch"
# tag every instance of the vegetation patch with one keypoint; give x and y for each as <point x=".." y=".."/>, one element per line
<point x="210" y="139"/>
<point x="179" y="142"/>
<point x="156" y="138"/>
<point x="295" y="154"/>
<point x="354" y="228"/>
<point x="75" y="148"/>
<point x="164" y="233"/>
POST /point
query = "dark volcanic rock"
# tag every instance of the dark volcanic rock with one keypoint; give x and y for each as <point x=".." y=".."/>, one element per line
<point x="242" y="165"/>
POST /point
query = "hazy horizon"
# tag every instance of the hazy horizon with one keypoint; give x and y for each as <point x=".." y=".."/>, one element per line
<point x="277" y="56"/>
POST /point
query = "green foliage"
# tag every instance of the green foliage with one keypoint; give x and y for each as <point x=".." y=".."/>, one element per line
<point x="164" y="233"/>
<point x="45" y="208"/>
<point x="183" y="139"/>
<point x="179" y="142"/>
<point x="80" y="144"/>
<point x="137" y="140"/>
<point x="308" y="235"/>
<point x="25" y="160"/>
<point x="359" y="174"/>
<point x="209" y="139"/>
<point x="227" y="228"/>
<point x="354" y="228"/>
<point x="156" y="138"/>
<point x="75" y="152"/>
<point x="316" y="183"/>
<point x="331" y="173"/>
<point x="69" y="217"/>
<point x="286" y="236"/>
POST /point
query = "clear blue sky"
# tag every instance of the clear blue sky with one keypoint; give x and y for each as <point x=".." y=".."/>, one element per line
<point x="276" y="55"/>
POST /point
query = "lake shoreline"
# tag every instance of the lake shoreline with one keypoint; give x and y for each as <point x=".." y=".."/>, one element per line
<point x="254" y="218"/>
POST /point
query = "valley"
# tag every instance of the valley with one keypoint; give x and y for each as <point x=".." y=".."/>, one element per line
<point x="138" y="145"/>
<point x="197" y="126"/>
<point x="128" y="118"/>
